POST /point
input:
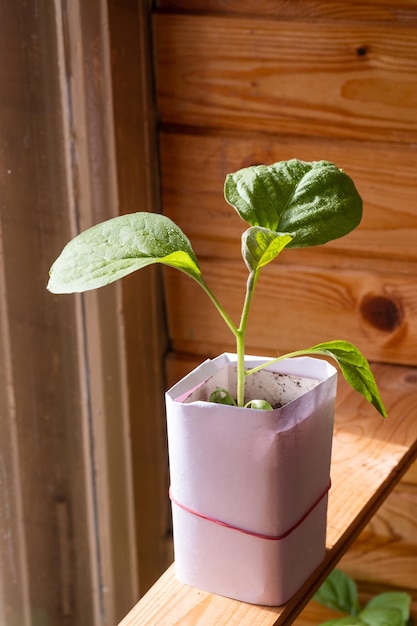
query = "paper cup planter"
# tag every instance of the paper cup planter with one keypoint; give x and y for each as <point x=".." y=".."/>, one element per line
<point x="249" y="488"/>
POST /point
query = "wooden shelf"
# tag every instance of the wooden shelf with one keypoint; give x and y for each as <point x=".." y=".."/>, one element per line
<point x="369" y="457"/>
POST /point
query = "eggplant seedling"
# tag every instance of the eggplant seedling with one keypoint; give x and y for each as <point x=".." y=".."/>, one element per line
<point x="290" y="204"/>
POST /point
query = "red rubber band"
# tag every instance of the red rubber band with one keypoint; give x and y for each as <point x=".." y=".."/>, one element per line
<point x="250" y="532"/>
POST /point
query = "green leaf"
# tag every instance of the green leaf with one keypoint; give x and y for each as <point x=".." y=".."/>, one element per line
<point x="260" y="405"/>
<point x="355" y="369"/>
<point x="315" y="201"/>
<point x="393" y="600"/>
<point x="119" y="246"/>
<point x="382" y="617"/>
<point x="222" y="396"/>
<point x="260" y="246"/>
<point x="339" y="592"/>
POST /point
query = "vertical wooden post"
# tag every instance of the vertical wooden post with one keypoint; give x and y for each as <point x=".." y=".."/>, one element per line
<point x="135" y="125"/>
<point x="67" y="540"/>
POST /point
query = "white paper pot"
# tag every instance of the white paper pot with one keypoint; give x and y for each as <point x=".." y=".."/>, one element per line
<point x="262" y="472"/>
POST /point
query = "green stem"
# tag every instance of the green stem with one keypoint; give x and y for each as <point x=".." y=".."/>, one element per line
<point x="219" y="307"/>
<point x="240" y="369"/>
<point x="240" y="338"/>
<point x="239" y="333"/>
<point x="289" y="355"/>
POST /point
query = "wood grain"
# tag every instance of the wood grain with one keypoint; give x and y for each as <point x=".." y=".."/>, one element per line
<point x="290" y="77"/>
<point x="145" y="338"/>
<point x="315" y="614"/>
<point x="369" y="457"/>
<point x="200" y="163"/>
<point x="367" y="10"/>
<point x="411" y="476"/>
<point x="294" y="307"/>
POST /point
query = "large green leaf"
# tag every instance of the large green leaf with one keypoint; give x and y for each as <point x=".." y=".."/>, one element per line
<point x="382" y="617"/>
<point x="119" y="246"/>
<point x="316" y="202"/>
<point x="260" y="246"/>
<point x="339" y="592"/>
<point x="391" y="600"/>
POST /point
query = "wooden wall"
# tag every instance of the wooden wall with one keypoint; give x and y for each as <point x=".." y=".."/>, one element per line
<point x="66" y="533"/>
<point x="256" y="81"/>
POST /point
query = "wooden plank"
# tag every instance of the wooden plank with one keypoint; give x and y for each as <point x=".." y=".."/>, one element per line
<point x="145" y="335"/>
<point x="42" y="406"/>
<point x="288" y="77"/>
<point x="14" y="570"/>
<point x="199" y="163"/>
<point x="390" y="537"/>
<point x="177" y="365"/>
<point x="294" y="308"/>
<point x="411" y="476"/>
<point x="370" y="10"/>
<point x="369" y="456"/>
<point x="315" y="614"/>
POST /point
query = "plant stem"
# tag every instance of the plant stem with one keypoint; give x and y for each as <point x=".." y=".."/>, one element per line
<point x="289" y="355"/>
<point x="240" y="369"/>
<point x="219" y="307"/>
<point x="239" y="333"/>
<point x="240" y="338"/>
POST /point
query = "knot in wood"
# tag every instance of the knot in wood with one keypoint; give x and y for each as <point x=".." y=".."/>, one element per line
<point x="381" y="312"/>
<point x="361" y="51"/>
